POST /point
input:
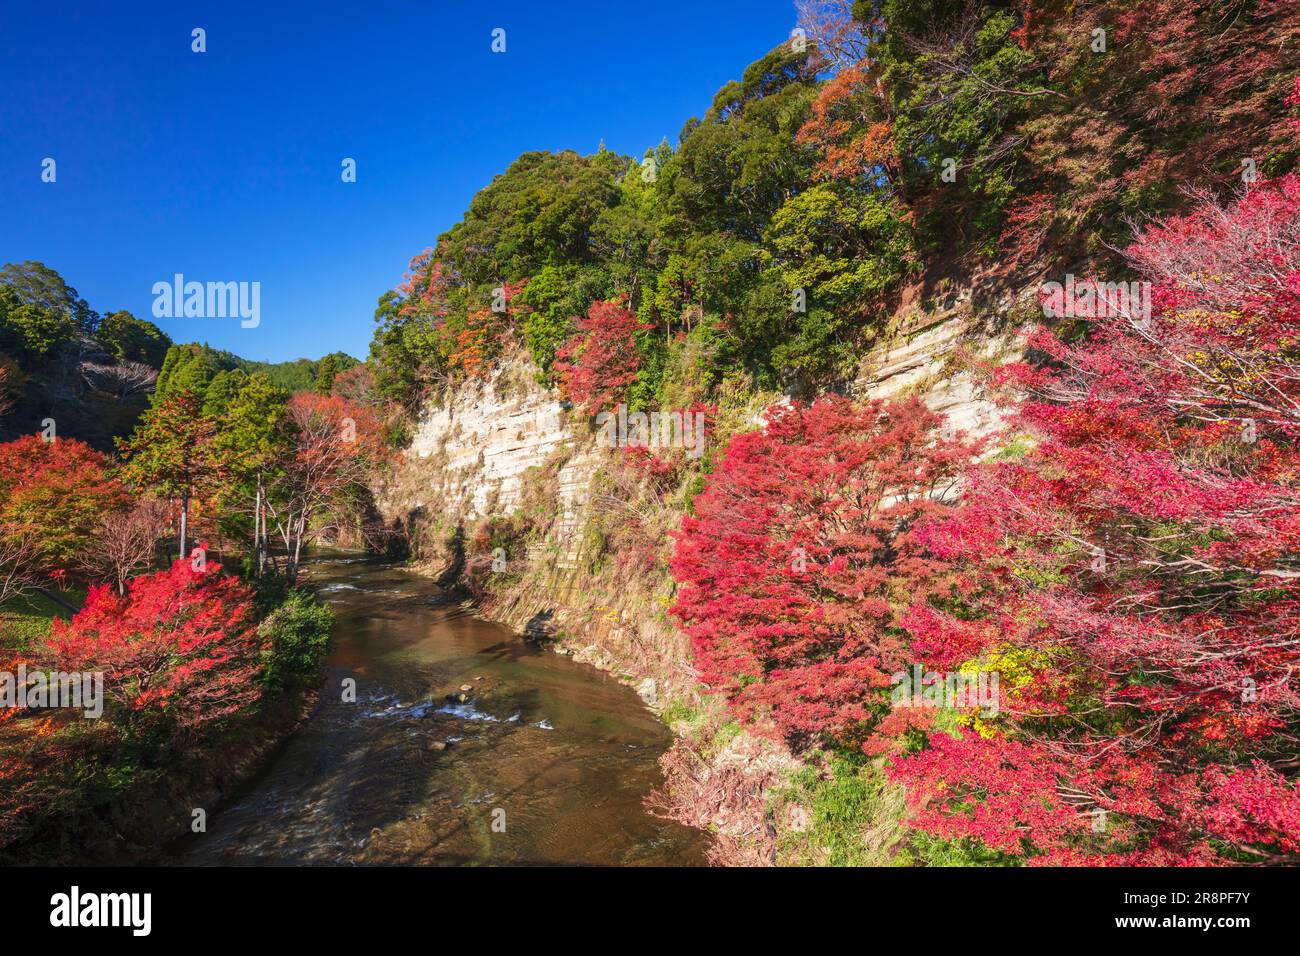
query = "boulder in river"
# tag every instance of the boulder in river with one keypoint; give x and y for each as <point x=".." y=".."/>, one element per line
<point x="648" y="691"/>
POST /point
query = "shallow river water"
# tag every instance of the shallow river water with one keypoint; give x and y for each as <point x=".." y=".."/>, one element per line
<point x="406" y="776"/>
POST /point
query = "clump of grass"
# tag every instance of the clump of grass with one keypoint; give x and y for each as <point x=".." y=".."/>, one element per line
<point x="926" y="850"/>
<point x="26" y="620"/>
<point x="841" y="813"/>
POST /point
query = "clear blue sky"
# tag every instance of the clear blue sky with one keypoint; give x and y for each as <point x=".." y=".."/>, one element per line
<point x="225" y="165"/>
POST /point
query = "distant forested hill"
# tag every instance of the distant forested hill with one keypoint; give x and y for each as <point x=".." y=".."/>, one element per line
<point x="91" y="374"/>
<point x="299" y="375"/>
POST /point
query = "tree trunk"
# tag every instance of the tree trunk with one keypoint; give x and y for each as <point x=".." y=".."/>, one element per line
<point x="185" y="514"/>
<point x="257" y="529"/>
<point x="299" y="529"/>
<point x="264" y="545"/>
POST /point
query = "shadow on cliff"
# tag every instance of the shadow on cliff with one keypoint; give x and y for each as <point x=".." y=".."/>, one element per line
<point x="539" y="628"/>
<point x="390" y="540"/>
<point x="449" y="576"/>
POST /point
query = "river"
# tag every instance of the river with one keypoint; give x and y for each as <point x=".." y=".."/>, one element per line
<point x="547" y="761"/>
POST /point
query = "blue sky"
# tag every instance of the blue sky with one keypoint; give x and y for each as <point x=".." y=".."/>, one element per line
<point x="225" y="165"/>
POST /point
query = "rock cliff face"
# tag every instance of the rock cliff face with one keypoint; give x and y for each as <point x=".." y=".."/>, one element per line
<point x="932" y="354"/>
<point x="471" y="454"/>
<point x="484" y="438"/>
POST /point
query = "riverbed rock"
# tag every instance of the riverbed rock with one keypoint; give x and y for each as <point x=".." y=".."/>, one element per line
<point x="648" y="691"/>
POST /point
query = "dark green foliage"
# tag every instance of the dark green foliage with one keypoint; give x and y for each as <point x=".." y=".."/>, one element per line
<point x="31" y="330"/>
<point x="300" y="375"/>
<point x="36" y="284"/>
<point x="555" y="295"/>
<point x="1066" y="119"/>
<point x="196" y="368"/>
<point x="402" y="352"/>
<point x="958" y="96"/>
<point x="539" y="212"/>
<point x="299" y="637"/>
<point x="718" y="231"/>
<point x="974" y="139"/>
<point x="129" y="339"/>
<point x="326" y="371"/>
<point x="740" y="163"/>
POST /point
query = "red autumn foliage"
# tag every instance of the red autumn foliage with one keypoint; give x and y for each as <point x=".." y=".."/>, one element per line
<point x="423" y="289"/>
<point x="181" y="646"/>
<point x="598" y="364"/>
<point x="844" y="129"/>
<point x="1141" y="561"/>
<point x="799" y="561"/>
<point x="1027" y="227"/>
<point x="485" y="332"/>
<point x="56" y="492"/>
<point x="337" y="444"/>
<point x="474" y="346"/>
<point x="666" y="463"/>
<point x="646" y="462"/>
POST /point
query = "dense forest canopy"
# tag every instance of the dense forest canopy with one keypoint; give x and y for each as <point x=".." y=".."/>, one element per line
<point x="901" y="145"/>
<point x="60" y="358"/>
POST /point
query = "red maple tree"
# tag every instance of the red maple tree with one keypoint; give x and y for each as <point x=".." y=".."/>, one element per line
<point x="56" y="492"/>
<point x="799" y="561"/>
<point x="336" y="444"/>
<point x="181" y="645"/>
<point x="598" y="364"/>
<point x="1137" y="568"/>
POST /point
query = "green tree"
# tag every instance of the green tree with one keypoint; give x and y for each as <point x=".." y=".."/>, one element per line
<point x="252" y="437"/>
<point x="37" y="285"/>
<point x="555" y="295"/>
<point x="188" y="368"/>
<point x="741" y="162"/>
<point x="171" y="455"/>
<point x="32" y="330"/>
<point x="129" y="339"/>
<point x="539" y="212"/>
<point x="405" y="352"/>
<point x="325" y="374"/>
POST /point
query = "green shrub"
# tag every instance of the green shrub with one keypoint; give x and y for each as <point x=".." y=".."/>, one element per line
<point x="927" y="850"/>
<point x="299" y="636"/>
